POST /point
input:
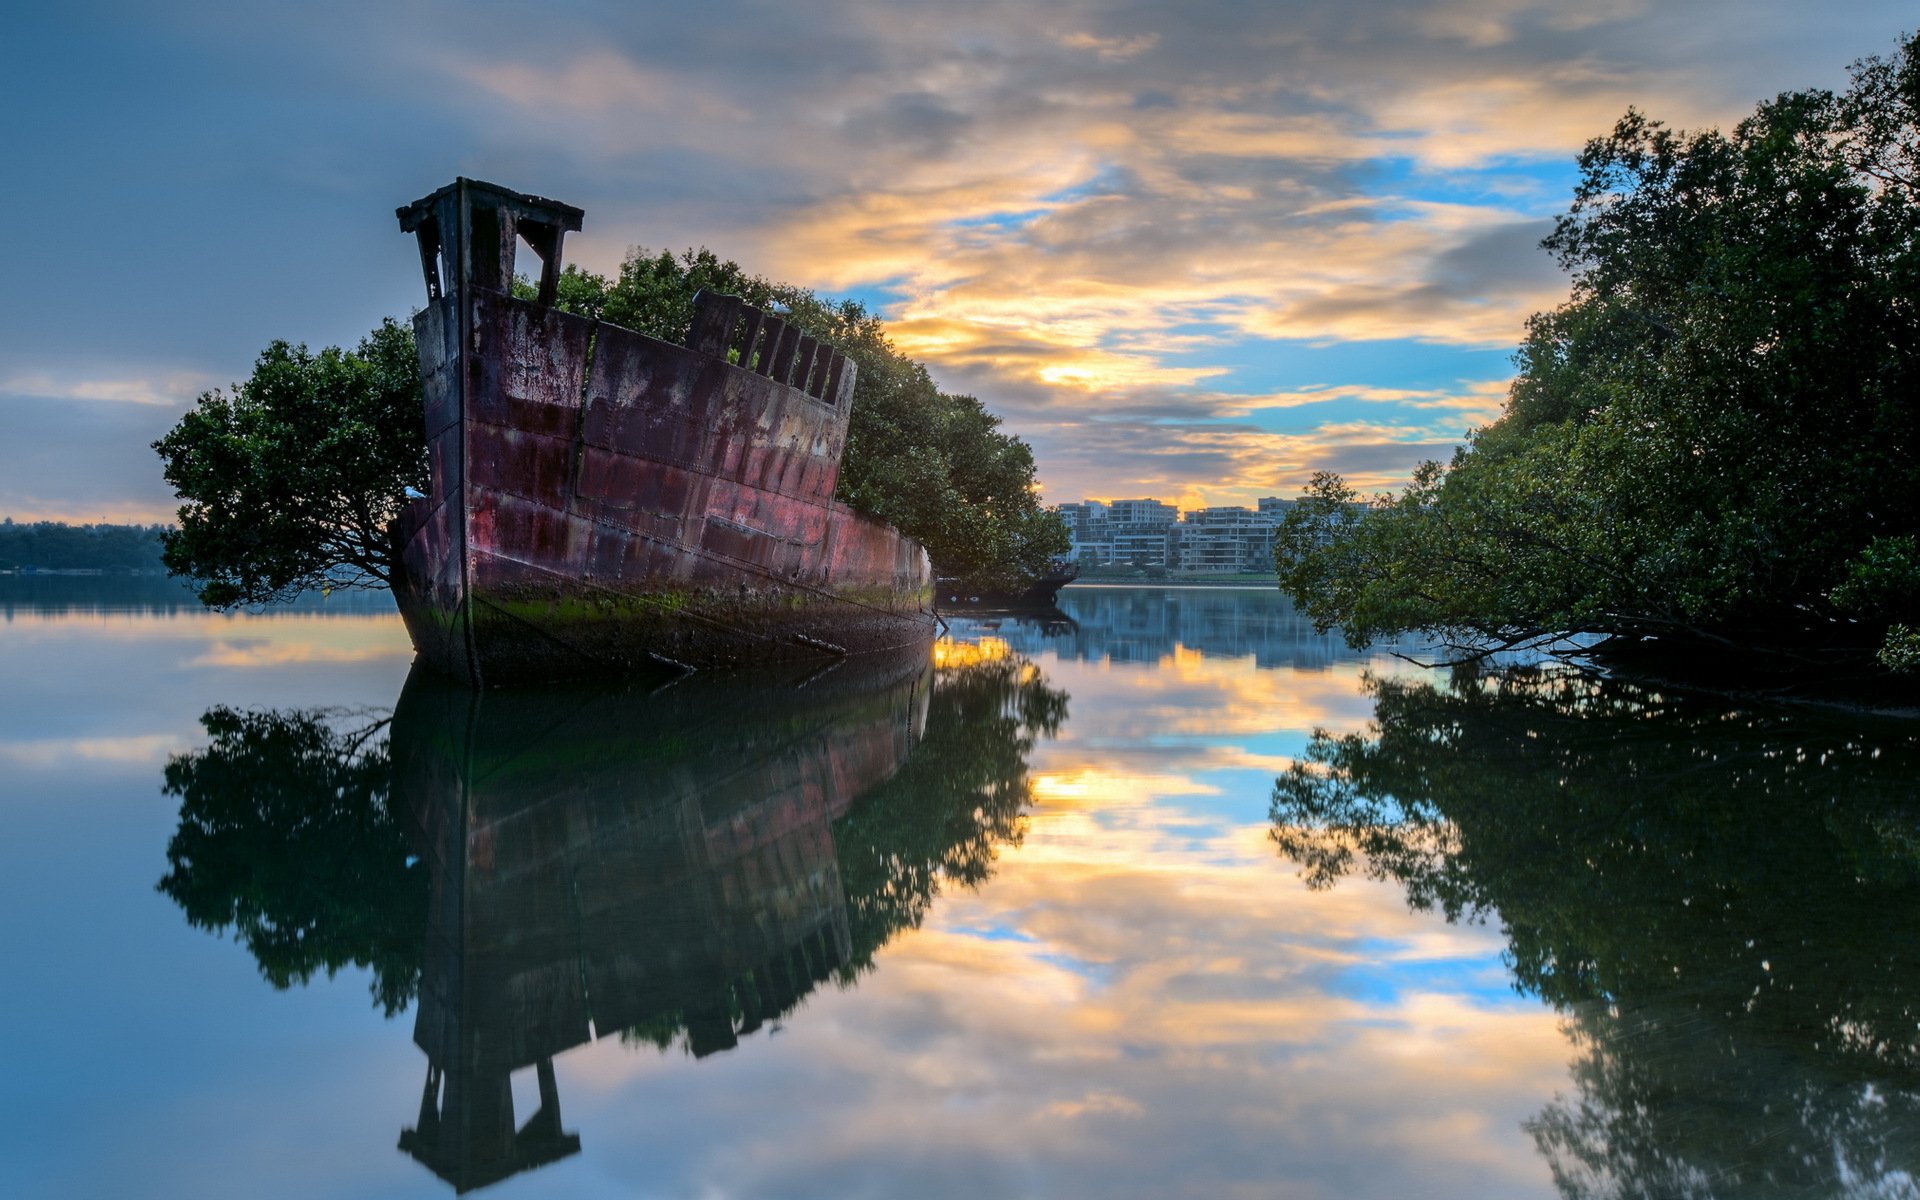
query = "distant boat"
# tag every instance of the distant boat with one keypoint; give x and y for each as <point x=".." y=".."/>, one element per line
<point x="954" y="593"/>
<point x="604" y="502"/>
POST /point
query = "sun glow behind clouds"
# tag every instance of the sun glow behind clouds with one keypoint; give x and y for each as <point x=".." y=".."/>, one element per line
<point x="1047" y="206"/>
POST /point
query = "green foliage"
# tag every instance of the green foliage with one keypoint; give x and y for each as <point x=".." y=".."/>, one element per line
<point x="1883" y="582"/>
<point x="1710" y="433"/>
<point x="1901" y="651"/>
<point x="1883" y="577"/>
<point x="935" y="465"/>
<point x="293" y="479"/>
<point x="288" y="835"/>
<point x="54" y="546"/>
<point x="1721" y="900"/>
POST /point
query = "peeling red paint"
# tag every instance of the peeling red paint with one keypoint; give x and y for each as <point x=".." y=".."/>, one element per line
<point x="603" y="501"/>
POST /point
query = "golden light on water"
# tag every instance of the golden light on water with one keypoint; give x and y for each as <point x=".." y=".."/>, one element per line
<point x="951" y="655"/>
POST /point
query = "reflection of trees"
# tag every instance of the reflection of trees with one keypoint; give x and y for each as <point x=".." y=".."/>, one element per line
<point x="288" y="836"/>
<point x="538" y="867"/>
<point x="1145" y="624"/>
<point x="291" y="835"/>
<point x="1723" y="900"/>
<point x="959" y="797"/>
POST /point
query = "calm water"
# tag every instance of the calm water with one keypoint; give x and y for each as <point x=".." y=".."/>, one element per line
<point x="1078" y="909"/>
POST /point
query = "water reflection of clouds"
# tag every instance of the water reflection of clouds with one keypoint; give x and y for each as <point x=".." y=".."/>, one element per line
<point x="1117" y="1019"/>
<point x="1142" y="1001"/>
<point x="1219" y="961"/>
<point x="1207" y="730"/>
<point x="255" y="653"/>
<point x="130" y="1021"/>
<point x="1089" y="785"/>
<point x="125" y="689"/>
<point x="1221" y="685"/>
<point x="1191" y="693"/>
<point x="235" y="640"/>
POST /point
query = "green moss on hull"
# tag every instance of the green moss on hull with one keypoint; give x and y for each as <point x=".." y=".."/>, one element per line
<point x="527" y="635"/>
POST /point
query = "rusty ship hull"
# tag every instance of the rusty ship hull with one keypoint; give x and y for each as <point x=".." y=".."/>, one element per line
<point x="604" y="502"/>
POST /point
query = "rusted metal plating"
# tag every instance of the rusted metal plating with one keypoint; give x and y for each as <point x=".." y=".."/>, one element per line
<point x="728" y="327"/>
<point x="602" y="500"/>
<point x="471" y="228"/>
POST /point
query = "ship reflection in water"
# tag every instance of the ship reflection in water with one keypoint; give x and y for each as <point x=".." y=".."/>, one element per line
<point x="536" y="869"/>
<point x="657" y="864"/>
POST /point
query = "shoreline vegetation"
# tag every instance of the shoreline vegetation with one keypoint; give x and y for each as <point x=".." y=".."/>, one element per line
<point x="57" y="548"/>
<point x="1709" y="463"/>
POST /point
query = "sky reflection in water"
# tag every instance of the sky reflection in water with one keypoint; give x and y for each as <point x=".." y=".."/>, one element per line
<point x="1137" y="997"/>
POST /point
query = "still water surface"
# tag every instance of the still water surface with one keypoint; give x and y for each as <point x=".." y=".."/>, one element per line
<point x="1171" y="898"/>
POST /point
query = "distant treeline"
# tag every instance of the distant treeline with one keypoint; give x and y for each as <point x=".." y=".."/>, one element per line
<point x="55" y="546"/>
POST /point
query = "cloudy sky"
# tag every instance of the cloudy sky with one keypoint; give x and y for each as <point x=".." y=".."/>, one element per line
<point x="1191" y="250"/>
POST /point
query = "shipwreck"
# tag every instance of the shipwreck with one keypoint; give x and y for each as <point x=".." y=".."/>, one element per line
<point x="604" y="502"/>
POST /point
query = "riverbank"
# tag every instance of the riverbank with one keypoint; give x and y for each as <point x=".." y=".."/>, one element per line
<point x="1851" y="681"/>
<point x="1232" y="581"/>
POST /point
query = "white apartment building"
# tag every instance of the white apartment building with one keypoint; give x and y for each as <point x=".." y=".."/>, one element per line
<point x="1151" y="533"/>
